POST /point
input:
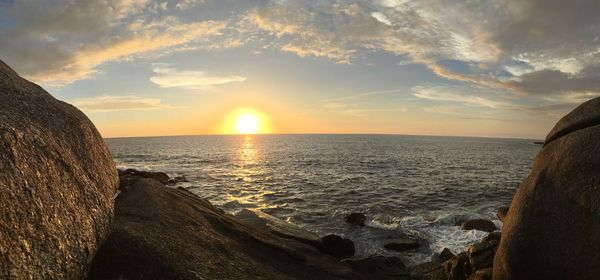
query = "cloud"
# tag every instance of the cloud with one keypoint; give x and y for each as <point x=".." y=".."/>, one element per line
<point x="515" y="45"/>
<point x="108" y="103"/>
<point x="168" y="77"/>
<point x="450" y="94"/>
<point x="58" y="44"/>
<point x="186" y="4"/>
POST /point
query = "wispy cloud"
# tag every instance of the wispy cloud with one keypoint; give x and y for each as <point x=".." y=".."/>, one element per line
<point x="58" y="44"/>
<point x="450" y="94"/>
<point x="168" y="77"/>
<point x="106" y="103"/>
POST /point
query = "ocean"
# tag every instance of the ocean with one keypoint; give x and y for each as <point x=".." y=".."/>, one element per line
<point x="415" y="186"/>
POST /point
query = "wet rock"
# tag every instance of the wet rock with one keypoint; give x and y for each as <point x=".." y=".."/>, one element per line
<point x="358" y="219"/>
<point x="501" y="212"/>
<point x="479" y="224"/>
<point x="401" y="244"/>
<point x="57" y="182"/>
<point x="446" y="254"/>
<point x="379" y="267"/>
<point x="337" y="246"/>
<point x="170" y="233"/>
<point x="552" y="228"/>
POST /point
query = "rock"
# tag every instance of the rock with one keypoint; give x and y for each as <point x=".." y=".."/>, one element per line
<point x="538" y="142"/>
<point x="162" y="177"/>
<point x="457" y="268"/>
<point x="177" y="180"/>
<point x="338" y="247"/>
<point x="57" y="182"/>
<point x="432" y="270"/>
<point x="170" y="233"/>
<point x="401" y="244"/>
<point x="479" y="224"/>
<point x="481" y="255"/>
<point x="501" y="213"/>
<point x="552" y="228"/>
<point x="446" y="254"/>
<point x="496" y="235"/>
<point x="379" y="267"/>
<point x="284" y="229"/>
<point x="358" y="219"/>
<point x="482" y="274"/>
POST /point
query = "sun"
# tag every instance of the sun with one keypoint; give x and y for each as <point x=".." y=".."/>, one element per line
<point x="247" y="124"/>
<point x="246" y="120"/>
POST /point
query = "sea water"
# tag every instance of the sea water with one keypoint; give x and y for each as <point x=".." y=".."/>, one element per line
<point x="415" y="186"/>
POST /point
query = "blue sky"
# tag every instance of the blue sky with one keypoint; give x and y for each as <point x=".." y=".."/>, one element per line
<point x="476" y="68"/>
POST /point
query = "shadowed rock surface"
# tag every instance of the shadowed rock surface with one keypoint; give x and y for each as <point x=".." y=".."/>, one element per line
<point x="57" y="182"/>
<point x="552" y="230"/>
<point x="479" y="224"/>
<point x="168" y="233"/>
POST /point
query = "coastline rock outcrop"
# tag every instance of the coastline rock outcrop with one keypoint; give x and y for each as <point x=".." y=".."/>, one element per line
<point x="170" y="233"/>
<point x="552" y="229"/>
<point x="58" y="180"/>
<point x="475" y="263"/>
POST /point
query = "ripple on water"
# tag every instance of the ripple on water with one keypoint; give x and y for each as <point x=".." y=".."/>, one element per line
<point x="406" y="185"/>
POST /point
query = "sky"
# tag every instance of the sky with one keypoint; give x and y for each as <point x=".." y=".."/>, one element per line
<point x="490" y="68"/>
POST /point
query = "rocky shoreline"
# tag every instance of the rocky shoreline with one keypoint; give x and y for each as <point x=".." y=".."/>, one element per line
<point x="143" y="192"/>
<point x="61" y="218"/>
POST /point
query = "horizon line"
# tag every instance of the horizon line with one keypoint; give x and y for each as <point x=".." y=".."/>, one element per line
<point x="358" y="133"/>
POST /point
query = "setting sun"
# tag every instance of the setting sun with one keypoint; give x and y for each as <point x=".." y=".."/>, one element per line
<point x="247" y="120"/>
<point x="247" y="124"/>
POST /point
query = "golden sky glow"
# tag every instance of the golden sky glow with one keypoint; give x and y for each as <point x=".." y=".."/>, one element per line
<point x="190" y="67"/>
<point x="247" y="121"/>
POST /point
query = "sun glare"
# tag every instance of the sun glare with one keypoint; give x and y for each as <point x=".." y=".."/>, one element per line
<point x="247" y="124"/>
<point x="246" y="120"/>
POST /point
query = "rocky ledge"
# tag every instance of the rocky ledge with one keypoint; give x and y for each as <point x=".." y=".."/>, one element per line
<point x="169" y="233"/>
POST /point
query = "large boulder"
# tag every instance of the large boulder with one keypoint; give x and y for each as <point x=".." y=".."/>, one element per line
<point x="57" y="181"/>
<point x="552" y="230"/>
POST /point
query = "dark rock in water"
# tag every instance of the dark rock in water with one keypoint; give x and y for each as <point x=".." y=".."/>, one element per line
<point x="168" y="233"/>
<point x="539" y="142"/>
<point x="401" y="244"/>
<point x="479" y="224"/>
<point x="337" y="246"/>
<point x="552" y="229"/>
<point x="446" y="254"/>
<point x="57" y="182"/>
<point x="358" y="219"/>
<point x="501" y="212"/>
<point x="379" y="267"/>
<point x="162" y="177"/>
